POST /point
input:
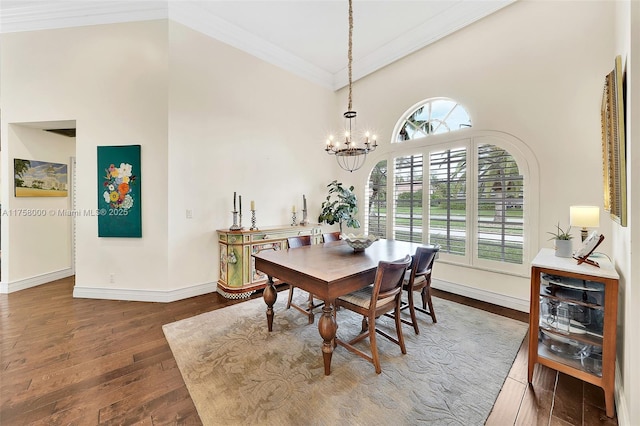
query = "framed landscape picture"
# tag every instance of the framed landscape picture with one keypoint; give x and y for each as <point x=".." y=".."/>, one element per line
<point x="34" y="178"/>
<point x="119" y="195"/>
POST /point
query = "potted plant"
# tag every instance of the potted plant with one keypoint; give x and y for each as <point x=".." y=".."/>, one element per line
<point x="564" y="245"/>
<point x="341" y="206"/>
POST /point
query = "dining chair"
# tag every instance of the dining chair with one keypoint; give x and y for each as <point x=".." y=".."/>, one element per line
<point x="296" y="242"/>
<point x="383" y="296"/>
<point x="418" y="278"/>
<point x="331" y="236"/>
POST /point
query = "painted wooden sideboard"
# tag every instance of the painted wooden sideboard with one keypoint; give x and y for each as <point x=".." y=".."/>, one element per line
<point x="238" y="275"/>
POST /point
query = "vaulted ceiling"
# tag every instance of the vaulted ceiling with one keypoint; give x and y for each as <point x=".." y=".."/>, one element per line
<point x="306" y="37"/>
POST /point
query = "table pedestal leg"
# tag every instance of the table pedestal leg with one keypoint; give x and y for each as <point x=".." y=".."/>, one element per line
<point x="270" y="295"/>
<point x="327" y="327"/>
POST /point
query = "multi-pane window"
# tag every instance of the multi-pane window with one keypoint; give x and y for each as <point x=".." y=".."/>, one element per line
<point x="465" y="194"/>
<point x="439" y="115"/>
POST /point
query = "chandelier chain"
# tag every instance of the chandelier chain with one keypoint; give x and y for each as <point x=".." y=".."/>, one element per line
<point x="350" y="51"/>
<point x="349" y="156"/>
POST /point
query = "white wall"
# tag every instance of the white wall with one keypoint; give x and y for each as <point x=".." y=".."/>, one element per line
<point x="237" y="123"/>
<point x="211" y="120"/>
<point x="626" y="240"/>
<point x="533" y="70"/>
<point x="40" y="237"/>
<point x="112" y="80"/>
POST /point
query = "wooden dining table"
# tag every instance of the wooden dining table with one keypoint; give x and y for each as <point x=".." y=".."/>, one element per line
<point x="328" y="271"/>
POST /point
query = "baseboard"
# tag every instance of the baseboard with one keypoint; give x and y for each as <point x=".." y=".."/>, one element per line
<point x="143" y="295"/>
<point x="22" y="284"/>
<point x="521" y="305"/>
<point x="621" y="406"/>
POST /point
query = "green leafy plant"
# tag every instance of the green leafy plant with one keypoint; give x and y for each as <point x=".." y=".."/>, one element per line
<point x="341" y="206"/>
<point x="560" y="234"/>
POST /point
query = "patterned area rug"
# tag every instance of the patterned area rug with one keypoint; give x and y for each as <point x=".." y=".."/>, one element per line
<point x="238" y="373"/>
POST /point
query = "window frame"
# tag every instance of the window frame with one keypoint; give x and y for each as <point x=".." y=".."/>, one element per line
<point x="470" y="139"/>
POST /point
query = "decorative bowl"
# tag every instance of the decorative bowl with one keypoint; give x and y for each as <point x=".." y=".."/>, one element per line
<point x="359" y="242"/>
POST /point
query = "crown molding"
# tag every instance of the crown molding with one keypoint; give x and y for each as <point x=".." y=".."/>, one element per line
<point x="447" y="22"/>
<point x="52" y="15"/>
<point x="197" y="18"/>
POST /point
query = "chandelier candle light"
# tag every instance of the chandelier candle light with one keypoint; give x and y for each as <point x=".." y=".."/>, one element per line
<point x="350" y="157"/>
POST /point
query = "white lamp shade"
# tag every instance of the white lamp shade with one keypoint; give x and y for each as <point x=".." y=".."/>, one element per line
<point x="584" y="216"/>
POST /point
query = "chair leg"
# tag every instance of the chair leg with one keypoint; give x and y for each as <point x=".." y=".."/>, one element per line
<point x="412" y="311"/>
<point x="311" y="316"/>
<point x="372" y="342"/>
<point x="290" y="296"/>
<point x="399" y="327"/>
<point x="426" y="300"/>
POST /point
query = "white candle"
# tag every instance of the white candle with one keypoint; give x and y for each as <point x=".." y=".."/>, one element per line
<point x="304" y="202"/>
<point x="253" y="205"/>
<point x="293" y="208"/>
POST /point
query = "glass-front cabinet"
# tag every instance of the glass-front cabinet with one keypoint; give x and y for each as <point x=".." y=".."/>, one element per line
<point x="573" y="319"/>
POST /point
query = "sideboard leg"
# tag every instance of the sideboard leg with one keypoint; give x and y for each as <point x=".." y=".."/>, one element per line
<point x="270" y="295"/>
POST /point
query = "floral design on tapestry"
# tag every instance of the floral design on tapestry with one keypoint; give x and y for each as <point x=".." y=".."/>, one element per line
<point x="118" y="185"/>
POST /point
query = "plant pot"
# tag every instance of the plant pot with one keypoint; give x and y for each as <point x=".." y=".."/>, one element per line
<point x="564" y="248"/>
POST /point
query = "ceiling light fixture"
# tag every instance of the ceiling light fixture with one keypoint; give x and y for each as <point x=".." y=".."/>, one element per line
<point x="350" y="157"/>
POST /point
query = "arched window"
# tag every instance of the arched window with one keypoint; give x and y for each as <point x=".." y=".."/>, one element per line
<point x="470" y="195"/>
<point x="433" y="116"/>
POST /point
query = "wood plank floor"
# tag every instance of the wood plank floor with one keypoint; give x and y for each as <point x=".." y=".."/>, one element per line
<point x="99" y="362"/>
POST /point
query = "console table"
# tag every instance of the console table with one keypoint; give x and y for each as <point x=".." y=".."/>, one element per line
<point x="238" y="275"/>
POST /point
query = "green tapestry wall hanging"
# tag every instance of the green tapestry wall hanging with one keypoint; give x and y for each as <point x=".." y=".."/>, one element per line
<point x="119" y="201"/>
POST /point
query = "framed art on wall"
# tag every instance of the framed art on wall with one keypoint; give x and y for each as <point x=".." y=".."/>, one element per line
<point x="39" y="178"/>
<point x="614" y="164"/>
<point x="119" y="195"/>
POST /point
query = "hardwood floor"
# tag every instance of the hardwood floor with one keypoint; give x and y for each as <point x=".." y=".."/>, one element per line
<point x="89" y="362"/>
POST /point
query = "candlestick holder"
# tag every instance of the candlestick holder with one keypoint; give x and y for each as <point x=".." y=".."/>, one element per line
<point x="253" y="221"/>
<point x="293" y="219"/>
<point x="236" y="226"/>
<point x="304" y="220"/>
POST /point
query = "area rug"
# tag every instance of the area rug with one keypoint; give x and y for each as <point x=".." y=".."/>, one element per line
<point x="239" y="373"/>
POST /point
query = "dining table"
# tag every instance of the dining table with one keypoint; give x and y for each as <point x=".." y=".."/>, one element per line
<point x="328" y="271"/>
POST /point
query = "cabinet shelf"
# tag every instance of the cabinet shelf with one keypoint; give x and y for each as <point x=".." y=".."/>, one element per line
<point x="572" y="320"/>
<point x="573" y="301"/>
<point x="586" y="338"/>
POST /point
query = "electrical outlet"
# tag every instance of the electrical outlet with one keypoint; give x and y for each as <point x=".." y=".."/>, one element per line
<point x="112" y="277"/>
<point x="189" y="214"/>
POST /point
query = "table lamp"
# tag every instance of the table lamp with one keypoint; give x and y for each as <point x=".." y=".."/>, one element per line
<point x="584" y="217"/>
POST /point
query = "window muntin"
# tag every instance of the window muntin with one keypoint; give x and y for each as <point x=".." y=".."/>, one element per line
<point x="434" y="116"/>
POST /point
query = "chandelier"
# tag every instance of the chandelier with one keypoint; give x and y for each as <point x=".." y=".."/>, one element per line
<point x="350" y="157"/>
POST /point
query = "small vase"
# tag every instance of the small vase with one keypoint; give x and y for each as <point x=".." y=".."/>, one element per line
<point x="564" y="248"/>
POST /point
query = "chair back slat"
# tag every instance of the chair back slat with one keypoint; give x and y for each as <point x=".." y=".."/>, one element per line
<point x="389" y="276"/>
<point x="299" y="241"/>
<point x="331" y="236"/>
<point x="423" y="260"/>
